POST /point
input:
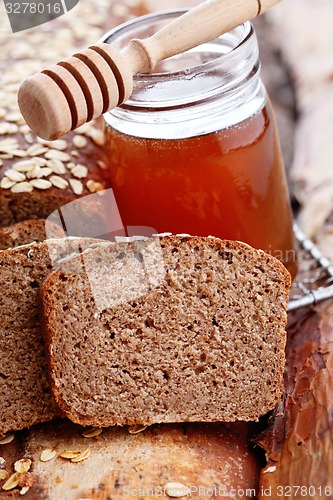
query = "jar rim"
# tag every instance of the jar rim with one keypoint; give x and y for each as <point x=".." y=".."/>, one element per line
<point x="246" y="29"/>
<point x="216" y="84"/>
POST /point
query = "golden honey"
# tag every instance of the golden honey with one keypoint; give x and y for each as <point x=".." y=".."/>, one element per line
<point x="195" y="150"/>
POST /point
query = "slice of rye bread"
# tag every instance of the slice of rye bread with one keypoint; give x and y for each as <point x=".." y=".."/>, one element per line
<point x="28" y="231"/>
<point x="167" y="330"/>
<point x="25" y="397"/>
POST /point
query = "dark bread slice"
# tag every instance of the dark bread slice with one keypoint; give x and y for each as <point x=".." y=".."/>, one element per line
<point x="25" y="397"/>
<point x="29" y="231"/>
<point x="167" y="330"/>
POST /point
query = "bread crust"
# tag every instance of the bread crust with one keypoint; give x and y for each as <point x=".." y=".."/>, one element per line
<point x="29" y="231"/>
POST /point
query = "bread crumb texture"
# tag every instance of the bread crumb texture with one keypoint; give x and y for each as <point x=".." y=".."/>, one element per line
<point x="198" y="334"/>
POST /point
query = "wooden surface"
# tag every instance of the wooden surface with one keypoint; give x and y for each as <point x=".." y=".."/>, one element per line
<point x="206" y="455"/>
<point x="302" y="32"/>
<point x="299" y="439"/>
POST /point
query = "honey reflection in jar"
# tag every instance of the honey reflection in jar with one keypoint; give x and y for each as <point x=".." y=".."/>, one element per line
<point x="228" y="182"/>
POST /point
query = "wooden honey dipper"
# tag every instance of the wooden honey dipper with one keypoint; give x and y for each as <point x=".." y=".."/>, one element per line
<point x="95" y="80"/>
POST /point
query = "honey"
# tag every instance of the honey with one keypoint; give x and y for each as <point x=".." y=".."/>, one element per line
<point x="203" y="159"/>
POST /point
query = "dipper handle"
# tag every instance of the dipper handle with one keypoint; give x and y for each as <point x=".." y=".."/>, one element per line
<point x="201" y="24"/>
<point x="95" y="80"/>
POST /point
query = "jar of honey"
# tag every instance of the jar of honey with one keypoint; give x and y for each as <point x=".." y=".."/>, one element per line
<point x="195" y="149"/>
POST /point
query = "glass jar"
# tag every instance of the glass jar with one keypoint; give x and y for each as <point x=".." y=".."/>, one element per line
<point x="195" y="149"/>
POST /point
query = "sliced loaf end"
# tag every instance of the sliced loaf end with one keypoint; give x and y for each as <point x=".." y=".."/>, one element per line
<point x="25" y="395"/>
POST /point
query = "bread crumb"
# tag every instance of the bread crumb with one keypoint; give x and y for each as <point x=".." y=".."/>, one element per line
<point x="22" y="465"/>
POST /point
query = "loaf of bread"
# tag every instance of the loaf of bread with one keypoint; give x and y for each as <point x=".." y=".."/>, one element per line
<point x="37" y="177"/>
<point x="25" y="397"/>
<point x="28" y="231"/>
<point x="171" y="329"/>
<point x="47" y="176"/>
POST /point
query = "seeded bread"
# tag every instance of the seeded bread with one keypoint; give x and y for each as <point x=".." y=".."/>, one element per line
<point x="28" y="231"/>
<point x="170" y="329"/>
<point x="48" y="176"/>
<point x="37" y="177"/>
<point x="25" y="397"/>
